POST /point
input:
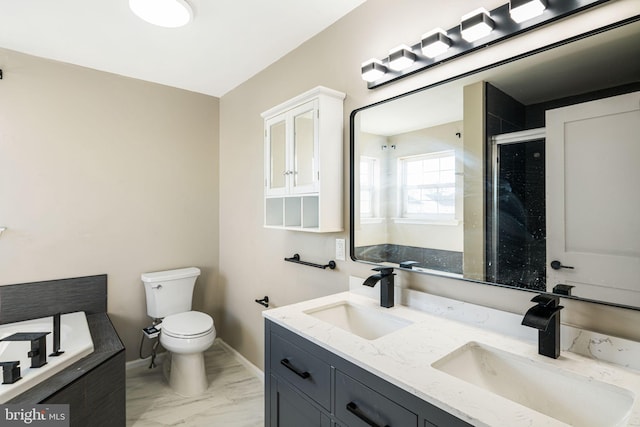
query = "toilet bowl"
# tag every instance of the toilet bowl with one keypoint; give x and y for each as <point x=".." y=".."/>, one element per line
<point x="187" y="335"/>
<point x="184" y="333"/>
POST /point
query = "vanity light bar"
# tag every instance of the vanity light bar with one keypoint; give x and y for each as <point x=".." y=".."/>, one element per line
<point x="477" y="29"/>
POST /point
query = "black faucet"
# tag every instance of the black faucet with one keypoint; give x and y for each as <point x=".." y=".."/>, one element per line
<point x="38" y="353"/>
<point x="56" y="336"/>
<point x="10" y="371"/>
<point x="545" y="317"/>
<point x="385" y="277"/>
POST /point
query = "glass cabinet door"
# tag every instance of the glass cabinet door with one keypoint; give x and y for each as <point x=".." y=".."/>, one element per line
<point x="277" y="157"/>
<point x="305" y="173"/>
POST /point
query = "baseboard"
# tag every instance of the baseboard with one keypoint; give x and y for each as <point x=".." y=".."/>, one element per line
<point x="134" y="364"/>
<point x="250" y="366"/>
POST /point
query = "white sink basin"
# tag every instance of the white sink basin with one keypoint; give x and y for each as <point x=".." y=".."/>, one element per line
<point x="563" y="395"/>
<point x="365" y="322"/>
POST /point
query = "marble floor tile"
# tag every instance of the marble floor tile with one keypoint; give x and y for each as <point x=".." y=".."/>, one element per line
<point x="235" y="397"/>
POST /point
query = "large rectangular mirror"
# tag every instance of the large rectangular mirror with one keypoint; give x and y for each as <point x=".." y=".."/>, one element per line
<point x="524" y="174"/>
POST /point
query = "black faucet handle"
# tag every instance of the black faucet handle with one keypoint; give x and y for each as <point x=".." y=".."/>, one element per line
<point x="547" y="300"/>
<point x="385" y="271"/>
<point x="10" y="371"/>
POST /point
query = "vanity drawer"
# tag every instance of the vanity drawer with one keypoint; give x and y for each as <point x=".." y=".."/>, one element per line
<point x="358" y="405"/>
<point x="301" y="369"/>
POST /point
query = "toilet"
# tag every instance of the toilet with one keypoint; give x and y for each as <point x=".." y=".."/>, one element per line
<point x="186" y="334"/>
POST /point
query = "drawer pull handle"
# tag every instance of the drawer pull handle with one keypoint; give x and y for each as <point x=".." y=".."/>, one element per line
<point x="304" y="375"/>
<point x="353" y="408"/>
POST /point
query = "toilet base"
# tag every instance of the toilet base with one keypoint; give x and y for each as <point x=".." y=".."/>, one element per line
<point x="186" y="374"/>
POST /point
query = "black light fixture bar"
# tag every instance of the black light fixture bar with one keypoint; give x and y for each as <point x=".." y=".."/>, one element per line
<point x="504" y="28"/>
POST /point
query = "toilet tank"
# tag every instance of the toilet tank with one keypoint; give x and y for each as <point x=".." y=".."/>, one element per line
<point x="169" y="292"/>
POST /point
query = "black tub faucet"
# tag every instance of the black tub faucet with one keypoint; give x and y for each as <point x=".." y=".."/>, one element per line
<point x="10" y="371"/>
<point x="56" y="336"/>
<point x="545" y="317"/>
<point x="385" y="277"/>
<point x="38" y="353"/>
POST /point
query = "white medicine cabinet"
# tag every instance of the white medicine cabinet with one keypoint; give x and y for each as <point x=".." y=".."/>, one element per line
<point x="303" y="162"/>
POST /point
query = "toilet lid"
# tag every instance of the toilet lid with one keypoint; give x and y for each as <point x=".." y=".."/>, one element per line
<point x="187" y="324"/>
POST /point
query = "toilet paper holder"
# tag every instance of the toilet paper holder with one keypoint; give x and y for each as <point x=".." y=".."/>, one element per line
<point x="264" y="301"/>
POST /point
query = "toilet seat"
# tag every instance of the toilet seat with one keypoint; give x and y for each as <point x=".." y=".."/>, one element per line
<point x="187" y="325"/>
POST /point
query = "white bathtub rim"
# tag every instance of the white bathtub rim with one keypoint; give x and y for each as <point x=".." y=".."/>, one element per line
<point x="80" y="345"/>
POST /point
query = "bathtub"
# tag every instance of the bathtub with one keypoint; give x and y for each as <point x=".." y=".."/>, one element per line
<point x="75" y="341"/>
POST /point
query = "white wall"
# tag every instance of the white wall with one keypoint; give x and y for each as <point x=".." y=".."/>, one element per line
<point x="251" y="257"/>
<point x="105" y="174"/>
<point x="443" y="137"/>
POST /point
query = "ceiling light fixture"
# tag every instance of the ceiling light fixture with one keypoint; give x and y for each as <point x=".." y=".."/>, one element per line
<point x="401" y="57"/>
<point x="372" y="70"/>
<point x="523" y="10"/>
<point x="435" y="43"/>
<point x="163" y="13"/>
<point x="476" y="25"/>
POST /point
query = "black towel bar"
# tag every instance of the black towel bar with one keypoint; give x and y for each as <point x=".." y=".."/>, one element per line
<point x="296" y="258"/>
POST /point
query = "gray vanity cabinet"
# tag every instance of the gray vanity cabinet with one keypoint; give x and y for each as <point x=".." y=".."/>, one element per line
<point x="356" y="403"/>
<point x="301" y="369"/>
<point x="307" y="385"/>
<point x="291" y="409"/>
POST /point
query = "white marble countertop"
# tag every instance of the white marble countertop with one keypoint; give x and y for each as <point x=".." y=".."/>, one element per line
<point x="404" y="357"/>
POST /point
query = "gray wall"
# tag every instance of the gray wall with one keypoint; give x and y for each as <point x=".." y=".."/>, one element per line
<point x="251" y="264"/>
<point x="105" y="174"/>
